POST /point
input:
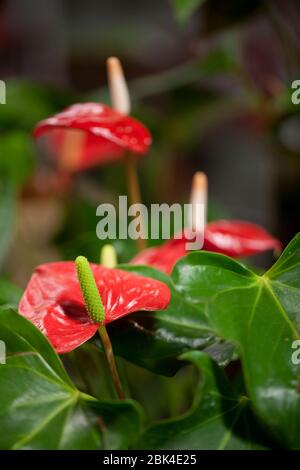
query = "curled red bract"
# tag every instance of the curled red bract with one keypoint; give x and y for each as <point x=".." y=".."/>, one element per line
<point x="107" y="134"/>
<point x="233" y="238"/>
<point x="53" y="301"/>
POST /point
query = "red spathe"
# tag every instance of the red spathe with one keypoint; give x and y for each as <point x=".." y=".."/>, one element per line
<point x="53" y="301"/>
<point x="108" y="134"/>
<point x="233" y="238"/>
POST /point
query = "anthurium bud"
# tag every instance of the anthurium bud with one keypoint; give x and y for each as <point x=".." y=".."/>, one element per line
<point x="108" y="257"/>
<point x="89" y="289"/>
<point x="117" y="86"/>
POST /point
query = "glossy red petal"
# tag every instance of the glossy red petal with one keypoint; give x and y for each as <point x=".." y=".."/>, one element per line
<point x="237" y="238"/>
<point x="54" y="303"/>
<point x="108" y="133"/>
<point x="163" y="257"/>
<point x="228" y="237"/>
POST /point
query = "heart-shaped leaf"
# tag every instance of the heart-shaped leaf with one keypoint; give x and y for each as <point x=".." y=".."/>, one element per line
<point x="218" y="419"/>
<point x="41" y="408"/>
<point x="260" y="314"/>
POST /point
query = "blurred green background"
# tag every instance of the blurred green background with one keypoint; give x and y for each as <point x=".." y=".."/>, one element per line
<point x="210" y="78"/>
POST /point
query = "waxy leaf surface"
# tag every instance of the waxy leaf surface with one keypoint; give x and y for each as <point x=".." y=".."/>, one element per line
<point x="260" y="314"/>
<point x="155" y="341"/>
<point x="219" y="419"/>
<point x="41" y="408"/>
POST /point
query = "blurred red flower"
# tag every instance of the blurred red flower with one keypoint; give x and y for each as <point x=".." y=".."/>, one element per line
<point x="233" y="238"/>
<point x="95" y="134"/>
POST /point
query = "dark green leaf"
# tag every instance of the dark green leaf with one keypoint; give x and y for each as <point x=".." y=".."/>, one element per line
<point x="284" y="280"/>
<point x="218" y="419"/>
<point x="155" y="339"/>
<point x="41" y="408"/>
<point x="260" y="315"/>
<point x="200" y="275"/>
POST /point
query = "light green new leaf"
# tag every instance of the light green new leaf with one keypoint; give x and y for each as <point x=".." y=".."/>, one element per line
<point x="41" y="408"/>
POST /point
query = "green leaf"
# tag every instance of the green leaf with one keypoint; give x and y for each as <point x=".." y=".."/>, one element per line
<point x="154" y="340"/>
<point x="16" y="157"/>
<point x="41" y="408"/>
<point x="284" y="280"/>
<point x="28" y="102"/>
<point x="200" y="275"/>
<point x="7" y="217"/>
<point x="218" y="419"/>
<point x="185" y="8"/>
<point x="10" y="294"/>
<point x="260" y="314"/>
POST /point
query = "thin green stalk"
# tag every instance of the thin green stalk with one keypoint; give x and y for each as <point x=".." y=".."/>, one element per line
<point x="108" y="350"/>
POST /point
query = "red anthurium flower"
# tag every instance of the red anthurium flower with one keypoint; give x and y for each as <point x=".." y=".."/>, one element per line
<point x="238" y="238"/>
<point x="53" y="301"/>
<point x="106" y="135"/>
<point x="233" y="238"/>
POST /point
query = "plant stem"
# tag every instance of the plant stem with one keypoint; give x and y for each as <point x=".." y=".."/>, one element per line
<point x="107" y="346"/>
<point x="135" y="195"/>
